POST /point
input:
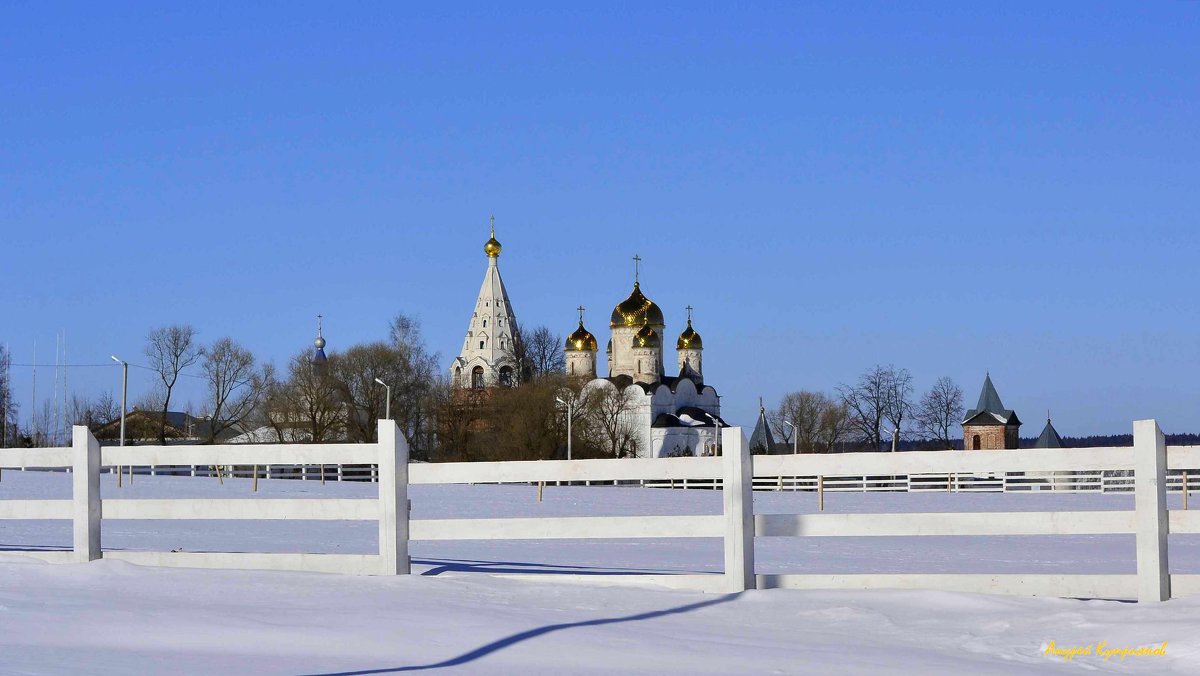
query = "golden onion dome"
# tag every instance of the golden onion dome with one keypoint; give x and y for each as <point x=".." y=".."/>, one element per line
<point x="636" y="310"/>
<point x="689" y="339"/>
<point x="646" y="337"/>
<point x="582" y="341"/>
<point x="492" y="248"/>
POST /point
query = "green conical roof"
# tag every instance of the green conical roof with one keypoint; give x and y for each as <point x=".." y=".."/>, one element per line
<point x="1049" y="437"/>
<point x="762" y="442"/>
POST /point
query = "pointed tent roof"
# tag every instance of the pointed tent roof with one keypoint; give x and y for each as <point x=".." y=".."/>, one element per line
<point x="762" y="442"/>
<point x="1049" y="437"/>
<point x="990" y="410"/>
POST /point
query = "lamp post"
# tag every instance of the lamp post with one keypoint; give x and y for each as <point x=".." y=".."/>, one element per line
<point x="570" y="404"/>
<point x="387" y="405"/>
<point x="124" y="393"/>
<point x="717" y="442"/>
<point x="795" y="437"/>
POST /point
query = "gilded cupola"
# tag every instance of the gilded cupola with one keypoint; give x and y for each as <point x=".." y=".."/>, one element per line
<point x="582" y="340"/>
<point x="636" y="310"/>
<point x="492" y="246"/>
<point x="646" y="337"/>
<point x="689" y="339"/>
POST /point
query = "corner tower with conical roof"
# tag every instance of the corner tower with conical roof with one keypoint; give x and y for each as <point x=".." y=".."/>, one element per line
<point x="989" y="426"/>
<point x="486" y="359"/>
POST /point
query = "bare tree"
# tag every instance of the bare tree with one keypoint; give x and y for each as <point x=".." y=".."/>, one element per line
<point x="835" y="424"/>
<point x="235" y="386"/>
<point x="534" y="354"/>
<point x="817" y="421"/>
<point x="546" y="355"/>
<point x="866" y="402"/>
<point x="899" y="397"/>
<point x="93" y="413"/>
<point x="355" y="371"/>
<point x="940" y="411"/>
<point x="882" y="393"/>
<point x="608" y="424"/>
<point x="171" y="349"/>
<point x="413" y="393"/>
<point x="308" y="405"/>
<point x="8" y="406"/>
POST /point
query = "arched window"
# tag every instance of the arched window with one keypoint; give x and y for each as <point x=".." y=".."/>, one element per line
<point x="485" y="323"/>
<point x="477" y="377"/>
<point x="458" y="375"/>
<point x="506" y="373"/>
<point x="975" y="443"/>
<point x="481" y="344"/>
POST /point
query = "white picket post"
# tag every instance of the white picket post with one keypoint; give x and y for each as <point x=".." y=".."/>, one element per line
<point x="393" y="500"/>
<point x="85" y="494"/>
<point x="737" y="494"/>
<point x="1150" y="506"/>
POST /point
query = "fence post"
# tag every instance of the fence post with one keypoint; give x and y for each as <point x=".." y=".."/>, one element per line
<point x="737" y="493"/>
<point x="393" y="500"/>
<point x="85" y="494"/>
<point x="1150" y="506"/>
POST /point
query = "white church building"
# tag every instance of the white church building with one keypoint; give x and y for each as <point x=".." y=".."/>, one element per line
<point x="670" y="415"/>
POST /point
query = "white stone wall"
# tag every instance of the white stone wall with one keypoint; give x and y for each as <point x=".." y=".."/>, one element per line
<point x="581" y="363"/>
<point x="694" y="357"/>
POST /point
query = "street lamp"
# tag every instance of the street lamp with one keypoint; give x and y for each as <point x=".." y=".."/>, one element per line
<point x="387" y="405"/>
<point x="124" y="393"/>
<point x="717" y="443"/>
<point x="570" y="404"/>
<point x="795" y="437"/>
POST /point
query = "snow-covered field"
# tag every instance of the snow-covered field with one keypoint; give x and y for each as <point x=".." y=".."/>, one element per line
<point x="113" y="617"/>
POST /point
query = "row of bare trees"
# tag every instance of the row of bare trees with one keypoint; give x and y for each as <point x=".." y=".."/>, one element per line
<point x="529" y="422"/>
<point x="857" y="415"/>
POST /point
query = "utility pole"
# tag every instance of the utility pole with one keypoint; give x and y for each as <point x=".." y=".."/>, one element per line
<point x="569" y="403"/>
<point x="124" y="393"/>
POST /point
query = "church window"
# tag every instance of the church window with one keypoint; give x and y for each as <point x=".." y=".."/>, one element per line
<point x="572" y="368"/>
<point x="506" y="373"/>
<point x="481" y="344"/>
<point x="477" y="377"/>
<point x="485" y="323"/>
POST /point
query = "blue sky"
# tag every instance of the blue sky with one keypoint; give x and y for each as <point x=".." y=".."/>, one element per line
<point x="951" y="187"/>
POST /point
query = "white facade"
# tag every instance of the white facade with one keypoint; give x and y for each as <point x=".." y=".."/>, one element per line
<point x="486" y="357"/>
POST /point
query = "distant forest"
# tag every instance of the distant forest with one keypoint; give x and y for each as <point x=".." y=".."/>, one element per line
<point x="1094" y="441"/>
<point x="1098" y="440"/>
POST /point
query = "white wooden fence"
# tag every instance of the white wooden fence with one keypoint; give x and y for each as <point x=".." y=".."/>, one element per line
<point x="1147" y="461"/>
<point x="85" y="458"/>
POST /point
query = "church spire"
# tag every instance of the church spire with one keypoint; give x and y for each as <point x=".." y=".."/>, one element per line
<point x="319" y="344"/>
<point x="492" y="248"/>
<point x="486" y="357"/>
